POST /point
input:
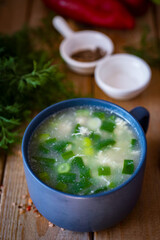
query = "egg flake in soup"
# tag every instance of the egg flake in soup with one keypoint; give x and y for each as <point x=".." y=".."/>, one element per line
<point x="84" y="150"/>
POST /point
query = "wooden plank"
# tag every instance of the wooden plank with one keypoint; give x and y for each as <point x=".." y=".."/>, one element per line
<point x="2" y="162"/>
<point x="13" y="15"/>
<point x="37" y="12"/>
<point x="144" y="221"/>
<point x="82" y="84"/>
<point x="13" y="224"/>
<point x="85" y="89"/>
<point x="24" y="225"/>
<point x="158" y="20"/>
<point x="14" y="187"/>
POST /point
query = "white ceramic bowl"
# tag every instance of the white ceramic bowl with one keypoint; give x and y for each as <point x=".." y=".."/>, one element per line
<point x="123" y="76"/>
<point x="75" y="41"/>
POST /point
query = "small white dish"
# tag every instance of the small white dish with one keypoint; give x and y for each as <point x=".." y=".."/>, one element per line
<point x="81" y="40"/>
<point x="123" y="76"/>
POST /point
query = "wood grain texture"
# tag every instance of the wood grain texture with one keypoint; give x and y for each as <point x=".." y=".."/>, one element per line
<point x="37" y="12"/>
<point x="82" y="84"/>
<point x="158" y="19"/>
<point x="14" y="187"/>
<point x="144" y="221"/>
<point x="2" y="165"/>
<point x="29" y="225"/>
<point x="13" y="15"/>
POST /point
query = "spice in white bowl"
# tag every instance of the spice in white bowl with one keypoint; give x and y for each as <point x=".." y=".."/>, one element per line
<point x="79" y="41"/>
<point x="88" y="55"/>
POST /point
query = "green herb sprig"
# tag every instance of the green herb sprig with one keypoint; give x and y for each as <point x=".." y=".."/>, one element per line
<point x="149" y="48"/>
<point x="29" y="79"/>
<point x="156" y="1"/>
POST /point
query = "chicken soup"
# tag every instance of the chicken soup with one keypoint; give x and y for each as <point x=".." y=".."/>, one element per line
<point x="84" y="150"/>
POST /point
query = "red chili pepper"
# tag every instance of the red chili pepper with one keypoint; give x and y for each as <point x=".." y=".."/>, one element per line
<point x="28" y="208"/>
<point x="108" y="13"/>
<point x="136" y="7"/>
<point x="108" y="5"/>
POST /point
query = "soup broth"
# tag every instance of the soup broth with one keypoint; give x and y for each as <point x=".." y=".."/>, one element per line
<point x="84" y="150"/>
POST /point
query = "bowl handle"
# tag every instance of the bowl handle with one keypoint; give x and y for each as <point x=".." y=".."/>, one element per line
<point x="62" y="26"/>
<point x="142" y="115"/>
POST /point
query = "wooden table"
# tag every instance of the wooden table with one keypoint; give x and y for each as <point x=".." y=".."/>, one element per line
<point x="144" y="221"/>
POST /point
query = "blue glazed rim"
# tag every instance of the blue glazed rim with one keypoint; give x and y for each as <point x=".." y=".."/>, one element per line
<point x="36" y="121"/>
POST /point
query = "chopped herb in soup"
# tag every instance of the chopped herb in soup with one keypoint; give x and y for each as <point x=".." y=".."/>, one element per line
<point x="84" y="151"/>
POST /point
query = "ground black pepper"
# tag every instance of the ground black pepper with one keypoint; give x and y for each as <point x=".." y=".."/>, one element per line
<point x="88" y="55"/>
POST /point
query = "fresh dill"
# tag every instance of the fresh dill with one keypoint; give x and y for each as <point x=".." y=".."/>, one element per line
<point x="149" y="48"/>
<point x="29" y="79"/>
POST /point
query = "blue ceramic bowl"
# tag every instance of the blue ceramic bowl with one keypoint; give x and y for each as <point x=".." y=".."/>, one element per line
<point x="91" y="212"/>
